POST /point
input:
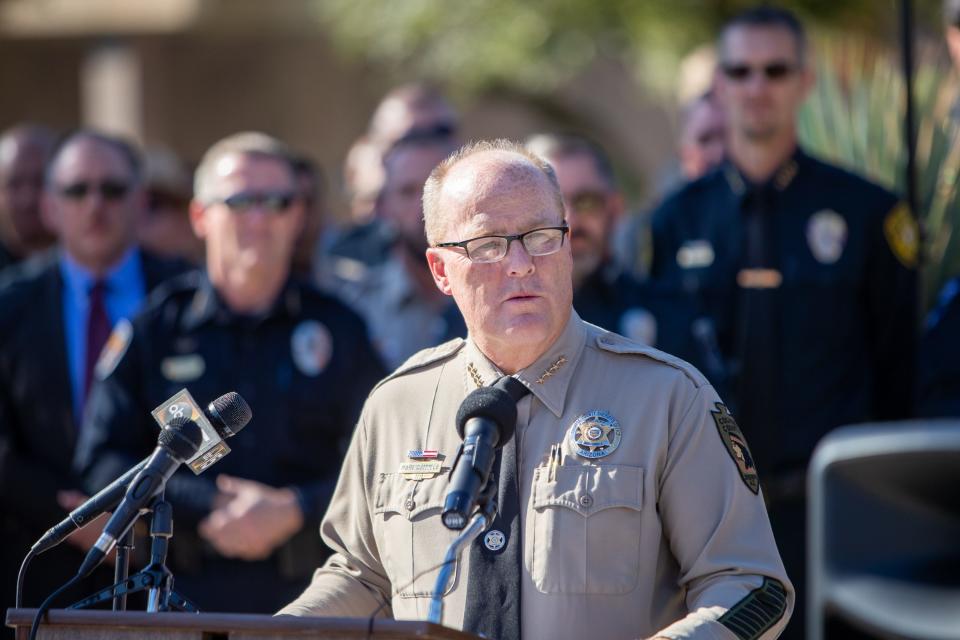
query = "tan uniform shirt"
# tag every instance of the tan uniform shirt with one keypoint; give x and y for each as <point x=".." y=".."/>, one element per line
<point x="664" y="535"/>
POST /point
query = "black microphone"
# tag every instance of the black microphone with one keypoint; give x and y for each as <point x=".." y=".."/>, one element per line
<point x="177" y="442"/>
<point x="486" y="419"/>
<point x="228" y="414"/>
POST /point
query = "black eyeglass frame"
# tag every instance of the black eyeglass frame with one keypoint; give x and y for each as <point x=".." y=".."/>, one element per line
<point x="773" y="71"/>
<point x="462" y="244"/>
<point x="276" y="202"/>
<point x="112" y="190"/>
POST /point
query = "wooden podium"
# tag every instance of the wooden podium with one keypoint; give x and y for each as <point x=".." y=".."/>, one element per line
<point x="69" y="624"/>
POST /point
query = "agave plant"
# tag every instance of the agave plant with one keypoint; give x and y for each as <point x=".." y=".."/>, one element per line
<point x="855" y="116"/>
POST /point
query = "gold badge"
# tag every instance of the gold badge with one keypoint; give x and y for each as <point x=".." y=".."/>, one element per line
<point x="736" y="446"/>
<point x="826" y="236"/>
<point x="903" y="235"/>
<point x="183" y="368"/>
<point x="114" y="350"/>
<point x="595" y="434"/>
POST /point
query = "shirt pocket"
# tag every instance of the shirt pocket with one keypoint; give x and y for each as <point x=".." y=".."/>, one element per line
<point x="586" y="529"/>
<point x="414" y="538"/>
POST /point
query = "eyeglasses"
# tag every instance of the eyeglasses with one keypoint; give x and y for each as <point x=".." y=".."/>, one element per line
<point x="271" y="202"/>
<point x="537" y="242"/>
<point x="588" y="202"/>
<point x="773" y="71"/>
<point x="108" y="189"/>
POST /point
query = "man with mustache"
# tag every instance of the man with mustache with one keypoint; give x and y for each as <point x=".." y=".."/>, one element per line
<point x="625" y="511"/>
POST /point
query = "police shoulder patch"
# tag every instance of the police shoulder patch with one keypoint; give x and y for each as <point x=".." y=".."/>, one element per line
<point x="903" y="235"/>
<point x="736" y="446"/>
<point x="114" y="350"/>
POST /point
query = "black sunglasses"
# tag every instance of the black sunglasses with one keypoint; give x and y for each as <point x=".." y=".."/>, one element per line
<point x="772" y="71"/>
<point x="108" y="189"/>
<point x="272" y="202"/>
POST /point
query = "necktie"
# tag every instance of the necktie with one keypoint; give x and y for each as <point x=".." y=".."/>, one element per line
<point x="98" y="330"/>
<point x="493" y="587"/>
<point x="759" y="340"/>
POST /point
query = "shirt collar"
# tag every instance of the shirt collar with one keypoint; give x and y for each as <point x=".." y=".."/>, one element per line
<point x="548" y="378"/>
<point x="207" y="305"/>
<point x="79" y="280"/>
<point x="781" y="179"/>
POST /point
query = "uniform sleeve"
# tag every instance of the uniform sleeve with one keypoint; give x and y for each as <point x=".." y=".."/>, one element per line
<point x="892" y="302"/>
<point x="353" y="581"/>
<point x="118" y="431"/>
<point x="717" y="526"/>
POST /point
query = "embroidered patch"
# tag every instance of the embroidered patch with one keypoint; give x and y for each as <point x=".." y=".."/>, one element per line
<point x="639" y="325"/>
<point x="114" y="349"/>
<point x="902" y="235"/>
<point x="311" y="346"/>
<point x="826" y="236"/>
<point x="736" y="446"/>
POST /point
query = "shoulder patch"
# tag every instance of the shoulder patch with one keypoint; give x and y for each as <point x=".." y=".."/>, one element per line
<point x="903" y="235"/>
<point x="426" y="358"/>
<point x="114" y="350"/>
<point x="615" y="343"/>
<point x="736" y="446"/>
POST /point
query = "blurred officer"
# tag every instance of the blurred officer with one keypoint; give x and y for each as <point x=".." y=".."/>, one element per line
<point x="701" y="146"/>
<point x="412" y="111"/>
<point x="939" y="361"/>
<point x="402" y="307"/>
<point x="629" y="504"/>
<point x="164" y="228"/>
<point x="54" y="320"/>
<point x="809" y="270"/>
<point x="245" y="536"/>
<point x="24" y="151"/>
<point x="603" y="293"/>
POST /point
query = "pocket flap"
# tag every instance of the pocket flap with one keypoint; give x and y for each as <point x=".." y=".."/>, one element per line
<point x="410" y="498"/>
<point x="588" y="489"/>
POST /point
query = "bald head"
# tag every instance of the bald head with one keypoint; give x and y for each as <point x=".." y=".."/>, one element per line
<point x="24" y="151"/>
<point x="478" y="171"/>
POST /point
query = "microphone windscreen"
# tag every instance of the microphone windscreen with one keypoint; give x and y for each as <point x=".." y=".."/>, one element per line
<point x="182" y="436"/>
<point x="493" y="404"/>
<point x="230" y="413"/>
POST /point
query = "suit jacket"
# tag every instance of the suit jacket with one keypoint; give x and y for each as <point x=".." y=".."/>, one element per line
<point x="38" y="431"/>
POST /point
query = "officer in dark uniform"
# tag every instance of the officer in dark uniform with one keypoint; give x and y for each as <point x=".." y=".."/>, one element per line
<point x="52" y="328"/>
<point x="604" y="294"/>
<point x="246" y="529"/>
<point x="809" y="271"/>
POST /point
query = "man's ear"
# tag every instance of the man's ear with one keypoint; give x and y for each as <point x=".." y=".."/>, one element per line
<point x="438" y="269"/>
<point x="198" y="219"/>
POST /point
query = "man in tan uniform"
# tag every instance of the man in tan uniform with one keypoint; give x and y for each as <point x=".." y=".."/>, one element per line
<point x="639" y="501"/>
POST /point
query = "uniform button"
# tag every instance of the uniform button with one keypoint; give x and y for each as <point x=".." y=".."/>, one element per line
<point x="410" y="504"/>
<point x="586" y="501"/>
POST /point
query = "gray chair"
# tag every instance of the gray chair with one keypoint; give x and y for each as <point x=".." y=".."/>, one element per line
<point x="884" y="532"/>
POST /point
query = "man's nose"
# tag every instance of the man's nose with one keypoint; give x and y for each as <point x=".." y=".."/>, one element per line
<point x="519" y="262"/>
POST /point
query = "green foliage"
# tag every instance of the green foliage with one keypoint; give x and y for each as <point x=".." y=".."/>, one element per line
<point x="855" y="116"/>
<point x="535" y="46"/>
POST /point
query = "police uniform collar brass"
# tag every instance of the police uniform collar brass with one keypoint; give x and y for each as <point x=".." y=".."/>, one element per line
<point x="549" y="377"/>
<point x="780" y="180"/>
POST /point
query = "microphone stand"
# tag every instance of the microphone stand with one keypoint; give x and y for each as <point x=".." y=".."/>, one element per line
<point x="155" y="578"/>
<point x="121" y="568"/>
<point x="485" y="514"/>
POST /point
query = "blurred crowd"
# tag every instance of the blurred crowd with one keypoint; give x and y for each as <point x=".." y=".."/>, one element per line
<point x="127" y="275"/>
